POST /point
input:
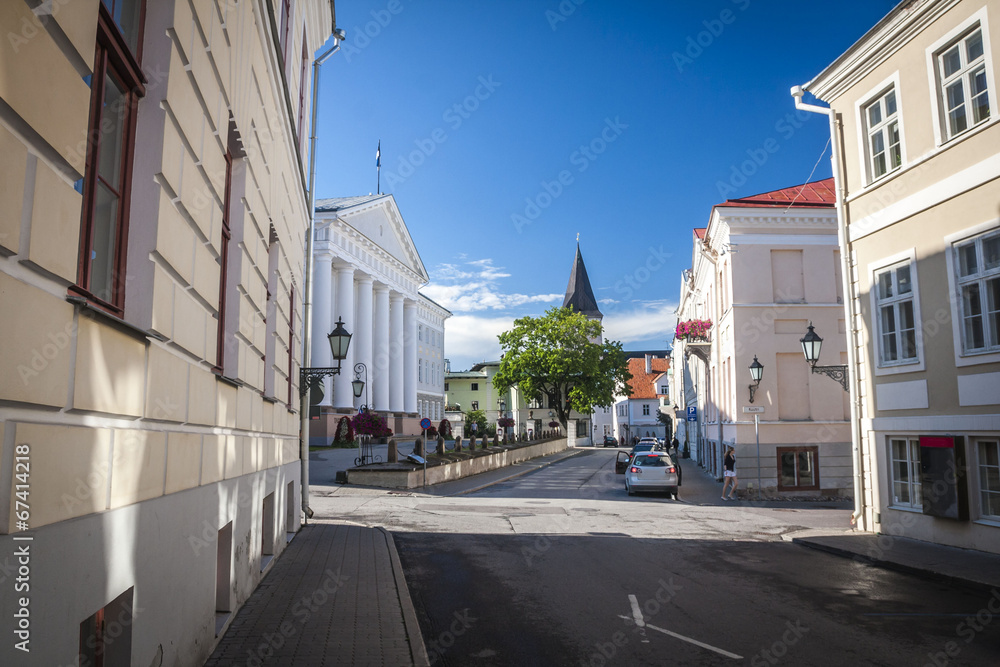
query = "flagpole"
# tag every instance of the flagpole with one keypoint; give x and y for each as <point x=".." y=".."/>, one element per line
<point x="378" y="168"/>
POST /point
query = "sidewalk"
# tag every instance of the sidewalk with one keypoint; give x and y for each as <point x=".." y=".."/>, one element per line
<point x="336" y="596"/>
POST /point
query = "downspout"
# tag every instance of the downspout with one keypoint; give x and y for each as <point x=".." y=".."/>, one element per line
<point x="717" y="354"/>
<point x="308" y="282"/>
<point x="849" y="300"/>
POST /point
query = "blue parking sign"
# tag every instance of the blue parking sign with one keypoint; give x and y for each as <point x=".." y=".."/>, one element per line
<point x="692" y="414"/>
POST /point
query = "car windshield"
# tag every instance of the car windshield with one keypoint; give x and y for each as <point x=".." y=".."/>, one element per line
<point x="643" y="448"/>
<point x="652" y="460"/>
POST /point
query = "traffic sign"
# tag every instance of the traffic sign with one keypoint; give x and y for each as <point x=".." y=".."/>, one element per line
<point x="692" y="413"/>
<point x="752" y="409"/>
<point x="425" y="423"/>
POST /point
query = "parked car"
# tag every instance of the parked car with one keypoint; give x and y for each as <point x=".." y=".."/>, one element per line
<point x="642" y="447"/>
<point x="610" y="441"/>
<point x="652" y="471"/>
<point x="651" y="441"/>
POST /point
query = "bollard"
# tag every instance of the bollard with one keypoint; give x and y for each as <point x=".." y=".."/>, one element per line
<point x="440" y="447"/>
<point x="496" y="440"/>
<point x="393" y="455"/>
<point x="458" y="443"/>
<point x="472" y="442"/>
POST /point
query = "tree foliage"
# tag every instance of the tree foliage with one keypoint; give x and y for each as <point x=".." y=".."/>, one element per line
<point x="477" y="417"/>
<point x="553" y="356"/>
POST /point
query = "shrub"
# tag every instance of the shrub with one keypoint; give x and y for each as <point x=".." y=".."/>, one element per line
<point x="345" y="431"/>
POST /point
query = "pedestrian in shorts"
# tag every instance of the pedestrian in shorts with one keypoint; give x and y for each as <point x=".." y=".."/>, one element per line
<point x="730" y="475"/>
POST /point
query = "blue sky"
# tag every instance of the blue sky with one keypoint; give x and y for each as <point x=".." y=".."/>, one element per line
<point x="508" y="127"/>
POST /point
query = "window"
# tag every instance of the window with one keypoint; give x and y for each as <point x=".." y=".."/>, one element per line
<point x="475" y="386"/>
<point x="645" y="408"/>
<point x="798" y="468"/>
<point x="905" y="471"/>
<point x="420" y="332"/>
<point x="882" y="123"/>
<point x="446" y="386"/>
<point x="106" y="636"/>
<point x="303" y="81"/>
<point x="989" y="478"/>
<point x="897" y="336"/>
<point x="220" y="342"/>
<point x="978" y="267"/>
<point x="291" y="342"/>
<point x="116" y="86"/>
<point x="420" y="370"/>
<point x="475" y="405"/>
<point x="961" y="68"/>
<point x="663" y="389"/>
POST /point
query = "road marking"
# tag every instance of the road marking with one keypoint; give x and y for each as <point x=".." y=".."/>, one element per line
<point x="696" y="642"/>
<point x="918" y="614"/>
<point x="636" y="612"/>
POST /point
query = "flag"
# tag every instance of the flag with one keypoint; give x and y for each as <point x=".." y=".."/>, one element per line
<point x="378" y="155"/>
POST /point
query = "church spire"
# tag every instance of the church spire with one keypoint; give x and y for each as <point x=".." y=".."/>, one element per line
<point x="579" y="293"/>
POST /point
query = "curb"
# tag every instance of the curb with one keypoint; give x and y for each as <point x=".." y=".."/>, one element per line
<point x="515" y="475"/>
<point x="416" y="638"/>
<point x="926" y="573"/>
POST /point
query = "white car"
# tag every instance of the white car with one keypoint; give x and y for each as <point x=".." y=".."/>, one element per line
<point x="652" y="471"/>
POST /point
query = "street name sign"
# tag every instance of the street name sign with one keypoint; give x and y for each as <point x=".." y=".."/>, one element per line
<point x="752" y="409"/>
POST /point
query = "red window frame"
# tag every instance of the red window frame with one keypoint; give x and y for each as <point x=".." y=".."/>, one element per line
<point x="112" y="58"/>
<point x="291" y="341"/>
<point x="812" y="449"/>
<point x="220" y="343"/>
<point x="303" y="73"/>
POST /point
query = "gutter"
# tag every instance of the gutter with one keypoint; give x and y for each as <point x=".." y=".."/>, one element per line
<point x="307" y="279"/>
<point x="849" y="299"/>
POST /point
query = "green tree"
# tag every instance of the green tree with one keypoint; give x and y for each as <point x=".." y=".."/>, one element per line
<point x="553" y="356"/>
<point x="477" y="417"/>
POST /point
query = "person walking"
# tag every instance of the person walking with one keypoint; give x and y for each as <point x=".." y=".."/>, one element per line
<point x="730" y="475"/>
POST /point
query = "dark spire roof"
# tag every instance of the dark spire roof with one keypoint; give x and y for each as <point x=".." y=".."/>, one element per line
<point x="579" y="293"/>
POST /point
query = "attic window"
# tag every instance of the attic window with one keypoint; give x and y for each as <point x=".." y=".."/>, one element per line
<point x="380" y="230"/>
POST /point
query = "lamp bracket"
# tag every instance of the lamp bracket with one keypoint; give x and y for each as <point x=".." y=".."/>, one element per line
<point x="311" y="377"/>
<point x="753" y="390"/>
<point x="838" y="373"/>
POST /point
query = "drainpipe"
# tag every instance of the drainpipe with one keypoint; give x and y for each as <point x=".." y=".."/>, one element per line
<point x="849" y="300"/>
<point x="307" y="304"/>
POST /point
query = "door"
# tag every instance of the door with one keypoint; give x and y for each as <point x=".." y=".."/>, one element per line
<point x="621" y="463"/>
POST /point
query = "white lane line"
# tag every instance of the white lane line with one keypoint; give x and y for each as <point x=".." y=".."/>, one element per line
<point x="636" y="612"/>
<point x="696" y="642"/>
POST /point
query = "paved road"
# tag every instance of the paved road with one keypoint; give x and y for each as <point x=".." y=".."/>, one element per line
<point x="561" y="567"/>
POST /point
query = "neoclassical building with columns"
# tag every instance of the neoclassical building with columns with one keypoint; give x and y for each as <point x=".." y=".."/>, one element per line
<point x="367" y="273"/>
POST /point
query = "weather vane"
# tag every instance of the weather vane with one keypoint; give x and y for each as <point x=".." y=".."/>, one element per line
<point x="578" y="237"/>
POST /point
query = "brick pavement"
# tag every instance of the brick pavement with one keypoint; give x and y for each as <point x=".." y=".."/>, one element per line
<point x="335" y="596"/>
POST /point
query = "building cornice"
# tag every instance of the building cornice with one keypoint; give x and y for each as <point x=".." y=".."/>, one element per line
<point x="892" y="33"/>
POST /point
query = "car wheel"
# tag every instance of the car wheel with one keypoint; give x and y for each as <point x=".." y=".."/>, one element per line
<point x="673" y="493"/>
<point x="628" y="488"/>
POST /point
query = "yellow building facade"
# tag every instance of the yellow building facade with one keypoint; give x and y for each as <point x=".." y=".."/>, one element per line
<point x="153" y="217"/>
<point x="915" y="113"/>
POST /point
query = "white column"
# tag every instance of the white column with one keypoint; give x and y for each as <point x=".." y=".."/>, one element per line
<point x="410" y="356"/>
<point x="380" y="372"/>
<point x="396" y="359"/>
<point x="343" y="396"/>
<point x="363" y="340"/>
<point x="322" y="301"/>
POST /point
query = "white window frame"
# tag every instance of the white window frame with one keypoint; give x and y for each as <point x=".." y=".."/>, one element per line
<point x="645" y="409"/>
<point x="877" y="96"/>
<point x="963" y="358"/>
<point x="913" y="465"/>
<point x="934" y="51"/>
<point x="975" y="442"/>
<point x="906" y="365"/>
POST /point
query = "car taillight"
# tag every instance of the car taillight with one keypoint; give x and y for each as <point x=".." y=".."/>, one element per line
<point x="672" y="469"/>
<point x="634" y="469"/>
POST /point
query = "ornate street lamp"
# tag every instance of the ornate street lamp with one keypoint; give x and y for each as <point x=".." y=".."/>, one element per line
<point x="811" y="345"/>
<point x="358" y="385"/>
<point x="756" y="373"/>
<point x="340" y="341"/>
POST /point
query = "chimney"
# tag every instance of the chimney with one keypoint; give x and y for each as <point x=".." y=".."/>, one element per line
<point x="649" y="364"/>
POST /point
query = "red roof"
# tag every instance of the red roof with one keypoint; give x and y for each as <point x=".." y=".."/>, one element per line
<point x="818" y="194"/>
<point x="642" y="383"/>
<point x="700" y="232"/>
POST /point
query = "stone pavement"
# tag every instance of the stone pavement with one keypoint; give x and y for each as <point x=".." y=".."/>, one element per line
<point x="335" y="596"/>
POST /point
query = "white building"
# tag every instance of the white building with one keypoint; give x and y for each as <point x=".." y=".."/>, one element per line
<point x="367" y="273"/>
<point x="430" y="359"/>
<point x="638" y="415"/>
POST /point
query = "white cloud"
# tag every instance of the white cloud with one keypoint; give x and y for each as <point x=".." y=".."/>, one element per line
<point x="651" y="320"/>
<point x="470" y="339"/>
<point x="473" y="286"/>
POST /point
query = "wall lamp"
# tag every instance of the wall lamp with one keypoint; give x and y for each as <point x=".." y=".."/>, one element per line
<point x="340" y="341"/>
<point x="811" y="344"/>
<point x="756" y="373"/>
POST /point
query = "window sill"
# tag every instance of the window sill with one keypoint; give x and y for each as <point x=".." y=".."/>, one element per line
<point x="270" y="399"/>
<point x="905" y="508"/>
<point x="992" y="523"/>
<point x="91" y="311"/>
<point x="914" y="366"/>
<point x="228" y="380"/>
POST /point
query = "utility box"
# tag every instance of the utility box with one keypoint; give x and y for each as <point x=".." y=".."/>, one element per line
<point x="943" y="483"/>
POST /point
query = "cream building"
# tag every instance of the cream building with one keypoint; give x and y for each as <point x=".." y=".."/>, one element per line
<point x="763" y="270"/>
<point x="153" y="220"/>
<point x="367" y="274"/>
<point x="913" y="107"/>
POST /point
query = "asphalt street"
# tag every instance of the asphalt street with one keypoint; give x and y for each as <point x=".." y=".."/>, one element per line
<point x="560" y="567"/>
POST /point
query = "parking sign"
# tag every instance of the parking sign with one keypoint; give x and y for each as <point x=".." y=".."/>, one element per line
<point x="692" y="414"/>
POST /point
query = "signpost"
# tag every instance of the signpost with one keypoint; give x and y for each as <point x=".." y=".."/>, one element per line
<point x="692" y="413"/>
<point x="755" y="410"/>
<point x="425" y="424"/>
